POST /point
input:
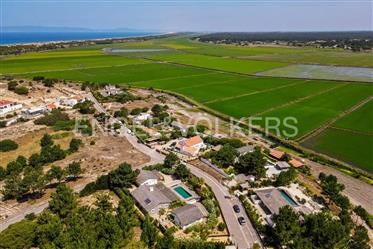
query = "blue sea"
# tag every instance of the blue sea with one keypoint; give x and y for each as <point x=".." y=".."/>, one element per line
<point x="29" y="37"/>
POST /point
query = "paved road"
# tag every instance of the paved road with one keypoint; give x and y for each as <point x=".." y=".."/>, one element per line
<point x="36" y="209"/>
<point x="155" y="157"/>
<point x="242" y="236"/>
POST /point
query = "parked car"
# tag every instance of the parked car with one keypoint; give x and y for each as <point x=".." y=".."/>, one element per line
<point x="236" y="208"/>
<point x="241" y="220"/>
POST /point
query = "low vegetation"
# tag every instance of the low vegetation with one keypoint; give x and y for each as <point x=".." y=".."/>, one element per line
<point x="8" y="145"/>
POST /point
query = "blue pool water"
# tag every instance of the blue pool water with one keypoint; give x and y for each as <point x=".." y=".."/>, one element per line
<point x="288" y="198"/>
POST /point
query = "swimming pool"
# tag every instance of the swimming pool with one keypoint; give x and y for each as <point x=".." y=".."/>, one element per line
<point x="182" y="192"/>
<point x="288" y="198"/>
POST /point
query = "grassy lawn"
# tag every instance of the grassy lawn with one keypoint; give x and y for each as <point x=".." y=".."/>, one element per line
<point x="343" y="145"/>
<point x="358" y="120"/>
<point x="220" y="63"/>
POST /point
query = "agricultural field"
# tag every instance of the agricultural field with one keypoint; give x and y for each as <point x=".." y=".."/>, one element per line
<point x="213" y="75"/>
<point x="253" y="104"/>
<point x="57" y="61"/>
<point x="322" y="72"/>
<point x="355" y="149"/>
<point x="313" y="112"/>
<point x="220" y="63"/>
<point x="337" y="58"/>
<point x="123" y="74"/>
<point x="360" y="120"/>
<point x="340" y="140"/>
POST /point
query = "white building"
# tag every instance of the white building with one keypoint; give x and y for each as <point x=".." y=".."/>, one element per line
<point x="7" y="106"/>
<point x="110" y="90"/>
<point x="148" y="177"/>
<point x="141" y="117"/>
<point x="34" y="112"/>
<point x="71" y="101"/>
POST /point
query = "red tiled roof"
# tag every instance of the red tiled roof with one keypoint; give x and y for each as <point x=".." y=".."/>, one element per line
<point x="52" y="106"/>
<point x="193" y="141"/>
<point x="296" y="163"/>
<point x="5" y="102"/>
<point x="277" y="154"/>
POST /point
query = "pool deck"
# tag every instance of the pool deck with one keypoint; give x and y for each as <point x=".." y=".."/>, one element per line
<point x="190" y="199"/>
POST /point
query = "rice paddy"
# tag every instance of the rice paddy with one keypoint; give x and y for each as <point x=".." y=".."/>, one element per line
<point x="224" y="78"/>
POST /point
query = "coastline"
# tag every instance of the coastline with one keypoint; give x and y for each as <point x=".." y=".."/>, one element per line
<point x="114" y="38"/>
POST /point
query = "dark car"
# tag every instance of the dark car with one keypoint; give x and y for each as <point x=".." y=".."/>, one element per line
<point x="241" y="220"/>
<point x="236" y="208"/>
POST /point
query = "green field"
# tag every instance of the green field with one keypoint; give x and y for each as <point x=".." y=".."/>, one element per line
<point x="341" y="140"/>
<point x="213" y="75"/>
<point x="124" y="74"/>
<point x="220" y="63"/>
<point x="361" y="120"/>
<point x="352" y="148"/>
<point x="339" y="58"/>
<point x="54" y="63"/>
<point x="313" y="112"/>
<point x="250" y="105"/>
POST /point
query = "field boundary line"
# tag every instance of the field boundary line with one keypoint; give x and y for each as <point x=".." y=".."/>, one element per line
<point x="177" y="77"/>
<point x="328" y="124"/>
<point x="300" y="99"/>
<point x="254" y="74"/>
<point x="351" y="131"/>
<point x="252" y="93"/>
<point x="75" y="69"/>
<point x="208" y="84"/>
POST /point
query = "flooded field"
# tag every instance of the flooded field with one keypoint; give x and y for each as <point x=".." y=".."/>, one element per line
<point x="322" y="72"/>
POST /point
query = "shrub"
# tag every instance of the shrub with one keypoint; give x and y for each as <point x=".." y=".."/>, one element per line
<point x="12" y="85"/>
<point x="368" y="218"/>
<point x="22" y="90"/>
<point x="74" y="145"/>
<point x="52" y="118"/>
<point x="38" y="78"/>
<point x="8" y="145"/>
<point x="221" y="226"/>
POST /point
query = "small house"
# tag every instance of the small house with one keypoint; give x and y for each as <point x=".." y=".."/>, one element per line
<point x="189" y="215"/>
<point x="7" y="106"/>
<point x="277" y="154"/>
<point x="148" y="177"/>
<point x="190" y="146"/>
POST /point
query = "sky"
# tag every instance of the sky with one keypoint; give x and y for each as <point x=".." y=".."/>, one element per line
<point x="192" y="15"/>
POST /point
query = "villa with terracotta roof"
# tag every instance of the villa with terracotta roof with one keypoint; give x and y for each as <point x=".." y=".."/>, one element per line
<point x="7" y="106"/>
<point x="296" y="163"/>
<point x="277" y="154"/>
<point x="190" y="146"/>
